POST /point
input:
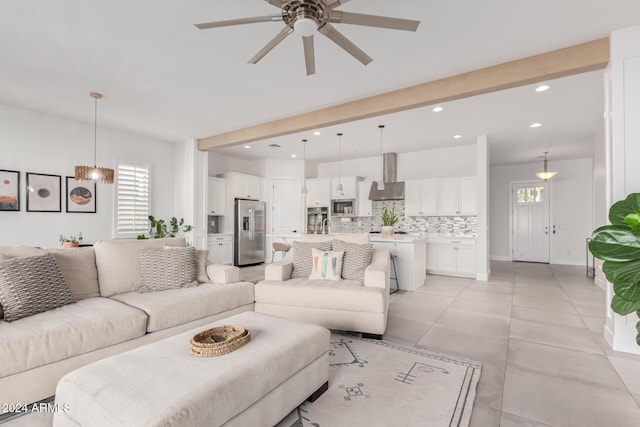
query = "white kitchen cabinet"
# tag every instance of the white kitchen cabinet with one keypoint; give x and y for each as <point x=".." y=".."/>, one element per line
<point x="421" y="197"/>
<point x="245" y="186"/>
<point x="217" y="196"/>
<point x="365" y="206"/>
<point x="410" y="256"/>
<point x="451" y="257"/>
<point x="349" y="187"/>
<point x="457" y="195"/>
<point x="319" y="192"/>
<point x="220" y="248"/>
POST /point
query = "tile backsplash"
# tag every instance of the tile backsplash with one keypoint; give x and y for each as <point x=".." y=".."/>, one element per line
<point x="441" y="225"/>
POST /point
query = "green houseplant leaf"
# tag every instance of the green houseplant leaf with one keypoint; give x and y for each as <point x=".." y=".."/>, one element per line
<point x="618" y="245"/>
<point x="389" y="218"/>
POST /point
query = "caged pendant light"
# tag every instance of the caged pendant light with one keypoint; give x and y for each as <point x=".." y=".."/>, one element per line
<point x="381" y="182"/>
<point x="304" y="167"/>
<point x="94" y="173"/>
<point x="339" y="186"/>
<point x="544" y="174"/>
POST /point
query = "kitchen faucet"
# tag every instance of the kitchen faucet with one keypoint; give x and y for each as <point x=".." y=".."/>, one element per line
<point x="324" y="222"/>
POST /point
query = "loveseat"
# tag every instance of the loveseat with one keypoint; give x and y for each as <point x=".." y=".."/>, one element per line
<point x="110" y="314"/>
<point x="358" y="301"/>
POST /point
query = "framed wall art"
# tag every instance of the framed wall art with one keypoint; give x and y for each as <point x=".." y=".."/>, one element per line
<point x="44" y="193"/>
<point x="81" y="196"/>
<point x="9" y="190"/>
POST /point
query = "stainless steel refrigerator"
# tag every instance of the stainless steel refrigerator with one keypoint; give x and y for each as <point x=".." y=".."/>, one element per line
<point x="249" y="233"/>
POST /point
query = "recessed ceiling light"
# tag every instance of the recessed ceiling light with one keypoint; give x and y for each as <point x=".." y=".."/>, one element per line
<point x="293" y="155"/>
<point x="535" y="125"/>
<point x="457" y="136"/>
<point x="437" y="109"/>
<point x="542" y="88"/>
<point x="247" y="146"/>
<point x="316" y="133"/>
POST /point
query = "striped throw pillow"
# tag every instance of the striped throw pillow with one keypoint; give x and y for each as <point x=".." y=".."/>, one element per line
<point x="302" y="257"/>
<point x="170" y="268"/>
<point x="356" y="258"/>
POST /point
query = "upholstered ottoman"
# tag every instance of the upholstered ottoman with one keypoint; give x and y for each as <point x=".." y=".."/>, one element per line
<point x="161" y="384"/>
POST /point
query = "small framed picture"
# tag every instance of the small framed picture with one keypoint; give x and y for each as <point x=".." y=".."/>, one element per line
<point x="44" y="193"/>
<point x="81" y="196"/>
<point x="9" y="190"/>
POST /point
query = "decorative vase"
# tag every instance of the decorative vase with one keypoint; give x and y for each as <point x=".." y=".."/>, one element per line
<point x="386" y="232"/>
<point x="71" y="244"/>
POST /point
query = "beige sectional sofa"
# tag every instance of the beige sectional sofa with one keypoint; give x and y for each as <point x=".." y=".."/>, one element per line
<point x="351" y="305"/>
<point x="109" y="316"/>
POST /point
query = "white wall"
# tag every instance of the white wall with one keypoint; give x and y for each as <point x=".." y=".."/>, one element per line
<point x="571" y="207"/>
<point x="459" y="160"/>
<point x="42" y="143"/>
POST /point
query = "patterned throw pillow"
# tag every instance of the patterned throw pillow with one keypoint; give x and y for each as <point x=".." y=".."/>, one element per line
<point x="202" y="256"/>
<point x="302" y="257"/>
<point x="2" y="258"/>
<point x="32" y="285"/>
<point x="326" y="265"/>
<point x="170" y="268"/>
<point x="356" y="258"/>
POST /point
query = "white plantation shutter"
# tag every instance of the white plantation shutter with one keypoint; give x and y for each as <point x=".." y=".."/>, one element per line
<point x="133" y="199"/>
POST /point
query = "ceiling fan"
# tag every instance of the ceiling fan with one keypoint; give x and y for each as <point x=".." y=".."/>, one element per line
<point x="306" y="17"/>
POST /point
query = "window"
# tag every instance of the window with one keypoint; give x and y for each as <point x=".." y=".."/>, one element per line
<point x="133" y="199"/>
<point x="530" y="194"/>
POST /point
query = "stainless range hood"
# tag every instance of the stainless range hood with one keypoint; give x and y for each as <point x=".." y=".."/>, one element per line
<point x="392" y="190"/>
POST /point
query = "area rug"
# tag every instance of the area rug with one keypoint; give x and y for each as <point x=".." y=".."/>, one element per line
<point x="377" y="383"/>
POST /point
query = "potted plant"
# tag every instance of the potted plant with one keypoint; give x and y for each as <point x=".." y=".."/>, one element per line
<point x="389" y="219"/>
<point x="158" y="228"/>
<point x="618" y="245"/>
<point x="70" y="241"/>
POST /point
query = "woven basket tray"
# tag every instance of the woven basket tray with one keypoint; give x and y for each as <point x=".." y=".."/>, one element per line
<point x="203" y="344"/>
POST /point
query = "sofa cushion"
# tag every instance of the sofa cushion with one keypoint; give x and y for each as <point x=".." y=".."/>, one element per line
<point x="119" y="265"/>
<point x="302" y="257"/>
<point x="168" y="268"/>
<point x="177" y="306"/>
<point x="20" y="251"/>
<point x="326" y="265"/>
<point x="356" y="258"/>
<point x="65" y="332"/>
<point x="347" y="295"/>
<point x="78" y="266"/>
<point x="32" y="285"/>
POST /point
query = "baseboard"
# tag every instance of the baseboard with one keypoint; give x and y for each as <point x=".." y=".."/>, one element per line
<point x="602" y="284"/>
<point x="624" y="344"/>
<point x="499" y="258"/>
<point x="483" y="277"/>
<point x="568" y="262"/>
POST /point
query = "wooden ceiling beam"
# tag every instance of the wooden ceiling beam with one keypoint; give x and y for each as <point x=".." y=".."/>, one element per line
<point x="581" y="58"/>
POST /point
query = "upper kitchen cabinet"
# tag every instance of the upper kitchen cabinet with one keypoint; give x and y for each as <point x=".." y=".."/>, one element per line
<point x="217" y="196"/>
<point x="458" y="195"/>
<point x="365" y="206"/>
<point x="349" y="187"/>
<point x="319" y="192"/>
<point x="421" y="197"/>
<point x="245" y="186"/>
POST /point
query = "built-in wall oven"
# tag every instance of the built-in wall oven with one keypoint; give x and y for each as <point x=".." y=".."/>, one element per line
<point x="343" y="207"/>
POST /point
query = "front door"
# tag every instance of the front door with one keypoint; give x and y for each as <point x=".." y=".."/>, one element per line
<point x="530" y="221"/>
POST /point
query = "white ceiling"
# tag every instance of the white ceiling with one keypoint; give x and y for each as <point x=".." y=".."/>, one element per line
<point x="163" y="78"/>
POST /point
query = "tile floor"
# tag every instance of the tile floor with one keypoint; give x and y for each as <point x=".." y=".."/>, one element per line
<point x="537" y="329"/>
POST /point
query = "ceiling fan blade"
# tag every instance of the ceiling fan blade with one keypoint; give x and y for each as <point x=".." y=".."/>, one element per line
<point x="240" y="21"/>
<point x="331" y="4"/>
<point x="309" y="55"/>
<point x="373" y="21"/>
<point x="276" y="3"/>
<point x="269" y="46"/>
<point x="339" y="39"/>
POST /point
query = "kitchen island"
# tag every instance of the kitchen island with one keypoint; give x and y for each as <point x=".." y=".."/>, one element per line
<point x="410" y="258"/>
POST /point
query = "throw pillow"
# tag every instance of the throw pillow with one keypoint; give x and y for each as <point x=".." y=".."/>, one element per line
<point x="201" y="264"/>
<point x="356" y="259"/>
<point x="2" y="258"/>
<point x="78" y="266"/>
<point x="170" y="268"/>
<point x="326" y="265"/>
<point x="302" y="257"/>
<point x="32" y="285"/>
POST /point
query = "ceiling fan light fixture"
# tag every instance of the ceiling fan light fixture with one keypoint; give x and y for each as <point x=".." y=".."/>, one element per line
<point x="305" y="26"/>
